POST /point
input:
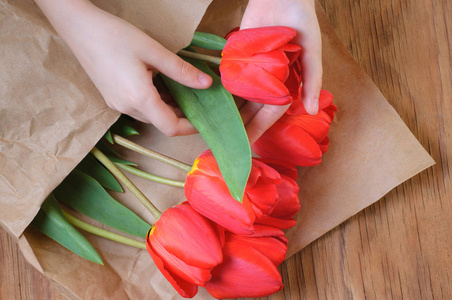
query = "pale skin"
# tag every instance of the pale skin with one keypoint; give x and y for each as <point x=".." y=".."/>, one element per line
<point x="301" y="16"/>
<point x="121" y="60"/>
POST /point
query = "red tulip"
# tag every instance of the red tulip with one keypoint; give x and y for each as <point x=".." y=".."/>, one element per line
<point x="282" y="168"/>
<point x="261" y="65"/>
<point x="185" y="247"/>
<point x="249" y="265"/>
<point x="287" y="203"/>
<point x="261" y="187"/>
<point x="299" y="139"/>
<point x="268" y="240"/>
<point x="208" y="194"/>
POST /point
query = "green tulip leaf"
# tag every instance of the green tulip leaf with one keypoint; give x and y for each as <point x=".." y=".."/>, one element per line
<point x="208" y="41"/>
<point x="92" y="167"/>
<point x="215" y="115"/>
<point x="105" y="148"/>
<point x="85" y="194"/>
<point x="121" y="161"/>
<point x="51" y="222"/>
<point x="109" y="137"/>
<point x="122" y="127"/>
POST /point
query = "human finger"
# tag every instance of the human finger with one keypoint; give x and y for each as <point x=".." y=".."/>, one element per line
<point x="248" y="110"/>
<point x="176" y="68"/>
<point x="311" y="71"/>
<point x="151" y="109"/>
<point x="264" y="119"/>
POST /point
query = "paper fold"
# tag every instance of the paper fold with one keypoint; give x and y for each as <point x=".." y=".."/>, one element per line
<point x="51" y="114"/>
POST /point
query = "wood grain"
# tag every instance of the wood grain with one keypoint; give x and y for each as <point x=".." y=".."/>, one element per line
<point x="18" y="279"/>
<point x="400" y="247"/>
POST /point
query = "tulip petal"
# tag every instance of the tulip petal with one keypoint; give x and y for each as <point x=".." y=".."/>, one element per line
<point x="326" y="100"/>
<point x="265" y="230"/>
<point x="326" y="115"/>
<point x="288" y="203"/>
<point x="210" y="197"/>
<point x="254" y="83"/>
<point x="264" y="196"/>
<point x="314" y="126"/>
<point x="285" y="207"/>
<point x="250" y="41"/>
<point x="282" y="168"/>
<point x="330" y="111"/>
<point x="260" y="65"/>
<point x="274" y="62"/>
<point x="245" y="272"/>
<point x="177" y="267"/>
<point x="292" y="51"/>
<point x="261" y="171"/>
<point x="188" y="236"/>
<point x="183" y="287"/>
<point x="261" y="187"/>
<point x="268" y="220"/>
<point x="206" y="165"/>
<point x="293" y="83"/>
<point x="297" y="134"/>
<point x="297" y="107"/>
<point x="220" y="232"/>
<point x="235" y="29"/>
<point x="262" y="230"/>
<point x="208" y="194"/>
<point x="293" y="145"/>
<point x="324" y="145"/>
<point x="271" y="247"/>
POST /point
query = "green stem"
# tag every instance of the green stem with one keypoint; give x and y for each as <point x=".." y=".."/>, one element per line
<point x="161" y="157"/>
<point x="204" y="57"/>
<point x="126" y="181"/>
<point x="103" y="233"/>
<point x="151" y="177"/>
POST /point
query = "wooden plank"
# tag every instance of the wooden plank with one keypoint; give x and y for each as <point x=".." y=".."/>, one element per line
<point x="18" y="279"/>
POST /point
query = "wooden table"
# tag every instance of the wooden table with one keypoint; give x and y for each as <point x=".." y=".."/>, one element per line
<point x="400" y="247"/>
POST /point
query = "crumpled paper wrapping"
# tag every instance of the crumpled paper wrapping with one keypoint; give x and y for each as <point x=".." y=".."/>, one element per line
<point x="51" y="115"/>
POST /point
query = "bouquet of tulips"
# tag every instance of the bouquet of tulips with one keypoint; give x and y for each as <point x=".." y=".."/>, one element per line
<point x="227" y="236"/>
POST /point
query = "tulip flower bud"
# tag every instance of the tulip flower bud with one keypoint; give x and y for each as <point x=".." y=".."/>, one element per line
<point x="261" y="187"/>
<point x="299" y="139"/>
<point x="287" y="203"/>
<point x="249" y="265"/>
<point x="208" y="194"/>
<point x="261" y="65"/>
<point x="270" y="198"/>
<point x="185" y="247"/>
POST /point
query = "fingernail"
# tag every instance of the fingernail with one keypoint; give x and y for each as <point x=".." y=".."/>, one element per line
<point x="315" y="106"/>
<point x="203" y="78"/>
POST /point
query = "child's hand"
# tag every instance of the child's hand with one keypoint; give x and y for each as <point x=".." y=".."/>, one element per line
<point x="301" y="16"/>
<point x="120" y="59"/>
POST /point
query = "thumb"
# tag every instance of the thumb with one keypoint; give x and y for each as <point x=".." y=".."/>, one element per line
<point x="312" y="81"/>
<point x="178" y="69"/>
